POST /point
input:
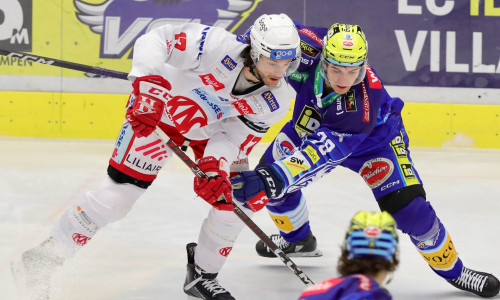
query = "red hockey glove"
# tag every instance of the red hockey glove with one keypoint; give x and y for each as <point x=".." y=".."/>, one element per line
<point x="148" y="102"/>
<point x="216" y="184"/>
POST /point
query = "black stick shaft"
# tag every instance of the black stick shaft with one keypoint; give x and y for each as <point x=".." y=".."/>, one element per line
<point x="244" y="217"/>
<point x="64" y="64"/>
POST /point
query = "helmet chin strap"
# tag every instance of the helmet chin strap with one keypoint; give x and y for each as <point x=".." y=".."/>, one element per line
<point x="252" y="70"/>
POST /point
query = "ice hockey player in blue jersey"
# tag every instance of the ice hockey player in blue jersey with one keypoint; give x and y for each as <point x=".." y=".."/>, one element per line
<point x="368" y="257"/>
<point x="343" y="116"/>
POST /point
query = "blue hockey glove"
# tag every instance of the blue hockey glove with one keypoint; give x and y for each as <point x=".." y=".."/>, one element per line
<point x="255" y="188"/>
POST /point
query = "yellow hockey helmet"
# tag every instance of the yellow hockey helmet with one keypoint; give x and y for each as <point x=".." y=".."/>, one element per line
<point x="345" y="45"/>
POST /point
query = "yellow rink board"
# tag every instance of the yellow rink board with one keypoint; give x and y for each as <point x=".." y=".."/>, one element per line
<point x="99" y="116"/>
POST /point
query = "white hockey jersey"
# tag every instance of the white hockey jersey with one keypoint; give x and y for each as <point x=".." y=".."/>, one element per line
<point x="202" y="64"/>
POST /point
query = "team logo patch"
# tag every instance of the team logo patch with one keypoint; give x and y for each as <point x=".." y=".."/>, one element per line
<point x="186" y="114"/>
<point x="225" y="251"/>
<point x="282" y="146"/>
<point x="229" y="63"/>
<point x="308" y="49"/>
<point x="308" y="121"/>
<point x="350" y="101"/>
<point x="376" y="171"/>
<point x="270" y="100"/>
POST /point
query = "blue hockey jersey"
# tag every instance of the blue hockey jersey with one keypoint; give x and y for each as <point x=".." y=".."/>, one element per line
<point x="352" y="287"/>
<point x="333" y="126"/>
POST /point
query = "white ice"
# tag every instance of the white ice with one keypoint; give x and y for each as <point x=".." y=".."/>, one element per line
<point x="143" y="255"/>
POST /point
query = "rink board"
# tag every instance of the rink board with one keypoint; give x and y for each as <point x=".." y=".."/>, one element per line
<point x="98" y="116"/>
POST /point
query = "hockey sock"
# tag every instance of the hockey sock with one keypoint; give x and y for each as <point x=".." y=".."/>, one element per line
<point x="418" y="219"/>
<point x="291" y="216"/>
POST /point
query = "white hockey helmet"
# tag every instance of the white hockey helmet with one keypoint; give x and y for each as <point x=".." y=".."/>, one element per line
<point x="275" y="37"/>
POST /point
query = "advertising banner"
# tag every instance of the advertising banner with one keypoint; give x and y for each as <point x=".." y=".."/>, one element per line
<point x="412" y="43"/>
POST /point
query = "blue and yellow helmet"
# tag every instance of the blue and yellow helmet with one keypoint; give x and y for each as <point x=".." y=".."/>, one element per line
<point x="372" y="235"/>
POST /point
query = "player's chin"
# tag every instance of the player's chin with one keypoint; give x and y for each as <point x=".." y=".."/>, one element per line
<point x="271" y="81"/>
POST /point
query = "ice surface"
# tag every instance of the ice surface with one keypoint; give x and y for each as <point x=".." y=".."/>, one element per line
<point x="143" y="255"/>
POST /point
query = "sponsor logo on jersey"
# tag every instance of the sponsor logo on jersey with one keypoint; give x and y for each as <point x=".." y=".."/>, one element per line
<point x="122" y="142"/>
<point x="209" y="79"/>
<point x="308" y="49"/>
<point x="366" y="104"/>
<point x="222" y="75"/>
<point x="16" y="19"/>
<point x="373" y="81"/>
<point x="312" y="35"/>
<point x="308" y="121"/>
<point x="229" y="63"/>
<point x="120" y="23"/>
<point x="207" y="98"/>
<point x="312" y="154"/>
<point x="282" y="146"/>
<point x="398" y="146"/>
<point x="350" y="101"/>
<point x="243" y="108"/>
<point x="340" y="110"/>
<point x="270" y="100"/>
<point x="80" y="239"/>
<point x="282" y="222"/>
<point x="299" y="76"/>
<point x="442" y="258"/>
<point x="225" y="251"/>
<point x="376" y="171"/>
<point x="146" y="158"/>
<point x="186" y="113"/>
<point x="296" y="164"/>
<point x="202" y="42"/>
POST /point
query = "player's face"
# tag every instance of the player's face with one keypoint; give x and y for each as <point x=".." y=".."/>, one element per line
<point x="271" y="71"/>
<point x="341" y="78"/>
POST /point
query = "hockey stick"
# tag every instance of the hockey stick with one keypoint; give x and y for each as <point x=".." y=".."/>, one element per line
<point x="171" y="144"/>
<point x="250" y="224"/>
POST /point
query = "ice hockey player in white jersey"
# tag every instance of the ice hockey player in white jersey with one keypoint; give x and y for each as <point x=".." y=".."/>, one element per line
<point x="207" y="89"/>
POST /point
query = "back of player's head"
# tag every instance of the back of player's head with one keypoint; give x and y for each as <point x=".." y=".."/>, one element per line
<point x="371" y="244"/>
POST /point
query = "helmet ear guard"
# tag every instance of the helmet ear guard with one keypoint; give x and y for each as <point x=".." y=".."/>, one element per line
<point x="275" y="37"/>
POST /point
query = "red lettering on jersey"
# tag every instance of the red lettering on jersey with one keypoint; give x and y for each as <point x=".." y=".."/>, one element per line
<point x="373" y="81"/>
<point x="243" y="108"/>
<point x="366" y="104"/>
<point x="312" y="35"/>
<point x="322" y="286"/>
<point x="80" y="239"/>
<point x="364" y="282"/>
<point x="181" y="41"/>
<point x="185" y="113"/>
<point x="209" y="79"/>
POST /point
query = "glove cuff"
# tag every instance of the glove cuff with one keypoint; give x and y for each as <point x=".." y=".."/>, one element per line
<point x="273" y="181"/>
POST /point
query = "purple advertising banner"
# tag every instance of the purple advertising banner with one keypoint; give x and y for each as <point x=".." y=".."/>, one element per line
<point x="431" y="43"/>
